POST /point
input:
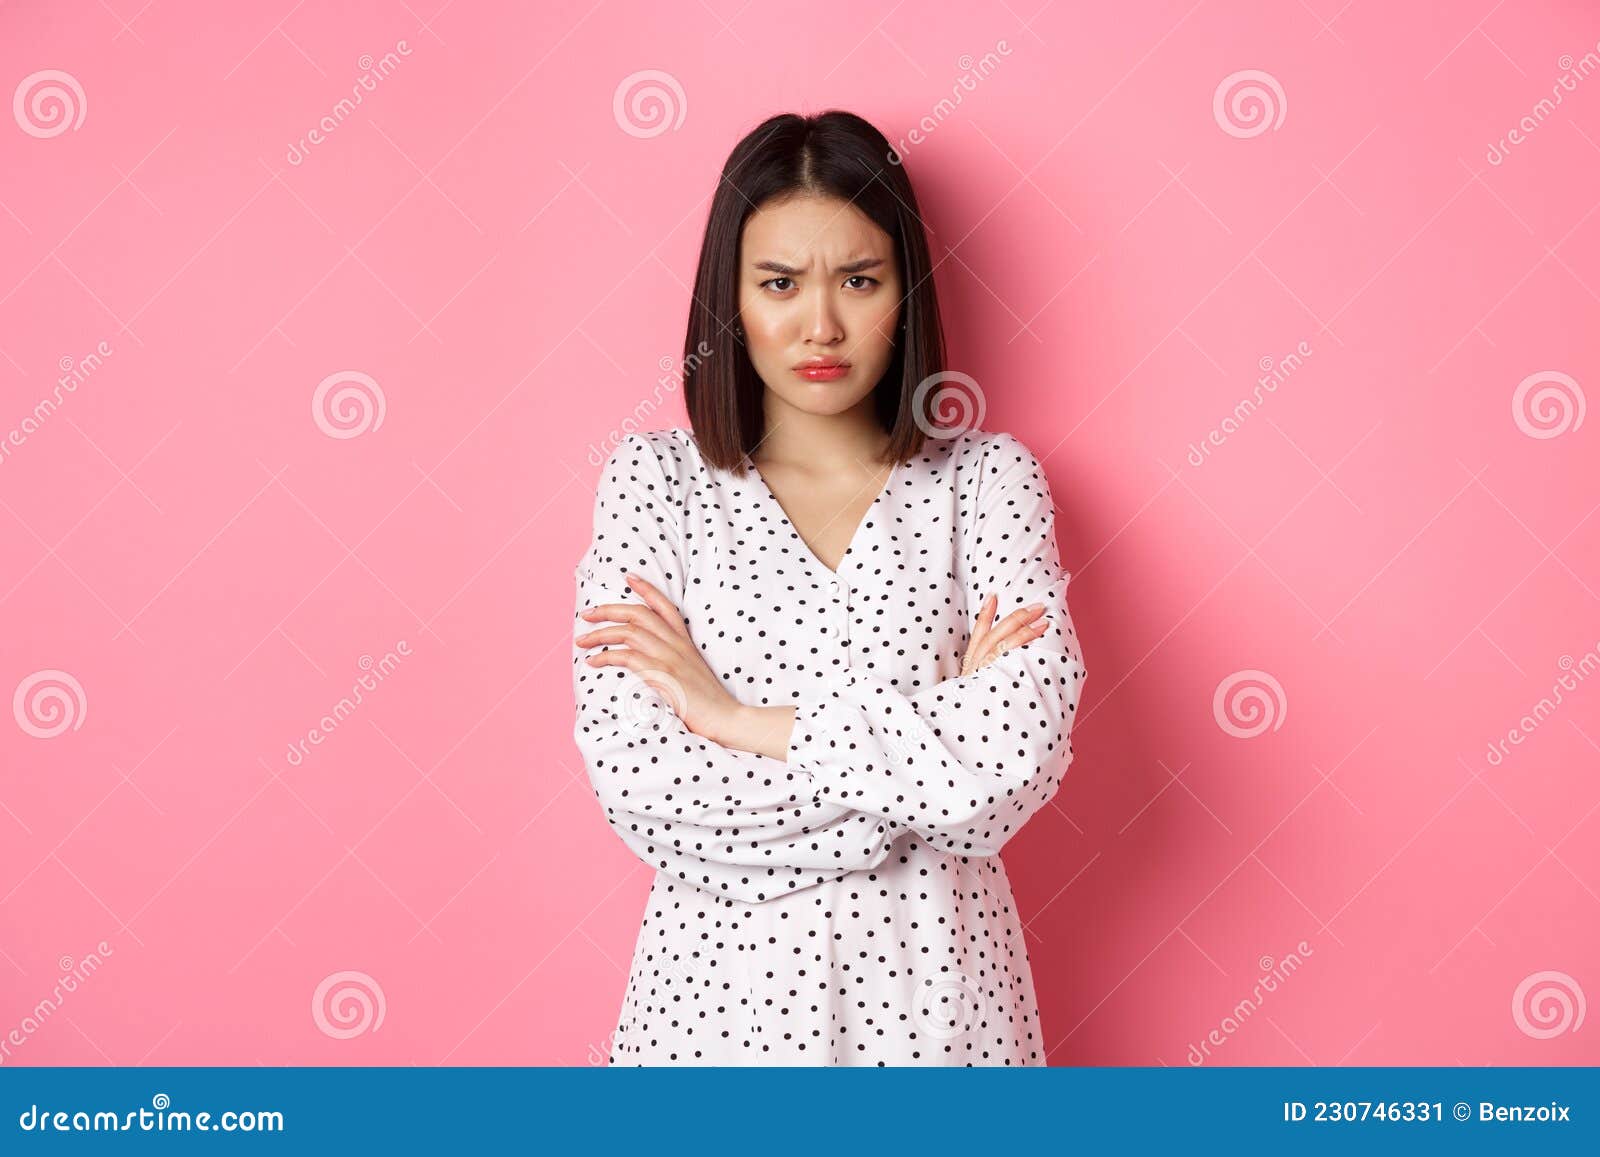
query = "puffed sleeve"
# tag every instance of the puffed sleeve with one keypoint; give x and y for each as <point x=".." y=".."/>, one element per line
<point x="736" y="824"/>
<point x="966" y="761"/>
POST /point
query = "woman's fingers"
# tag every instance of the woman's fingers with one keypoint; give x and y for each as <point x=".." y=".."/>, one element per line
<point x="987" y="634"/>
<point x="624" y="658"/>
<point x="634" y="638"/>
<point x="980" y="631"/>
<point x="652" y="631"/>
<point x="1015" y="621"/>
<point x="659" y="603"/>
<point x="1019" y="627"/>
<point x="643" y="616"/>
<point x="986" y="614"/>
<point x="1015" y="639"/>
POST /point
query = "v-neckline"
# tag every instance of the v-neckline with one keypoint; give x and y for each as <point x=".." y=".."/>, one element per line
<point x="805" y="547"/>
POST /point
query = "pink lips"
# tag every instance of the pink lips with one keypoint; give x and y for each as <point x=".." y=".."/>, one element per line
<point x="822" y="371"/>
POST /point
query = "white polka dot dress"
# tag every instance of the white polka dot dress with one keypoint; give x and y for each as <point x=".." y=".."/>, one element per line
<point x="845" y="906"/>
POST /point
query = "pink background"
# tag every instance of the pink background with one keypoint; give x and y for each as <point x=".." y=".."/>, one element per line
<point x="1385" y="537"/>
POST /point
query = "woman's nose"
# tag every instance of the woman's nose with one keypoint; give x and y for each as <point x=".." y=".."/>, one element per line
<point x="822" y="324"/>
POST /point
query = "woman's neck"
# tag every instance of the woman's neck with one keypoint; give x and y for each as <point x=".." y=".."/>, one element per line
<point x="825" y="442"/>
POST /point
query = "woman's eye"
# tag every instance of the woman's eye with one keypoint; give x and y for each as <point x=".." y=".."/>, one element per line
<point x="773" y="282"/>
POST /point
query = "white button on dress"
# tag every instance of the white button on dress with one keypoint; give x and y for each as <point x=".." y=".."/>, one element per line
<point x="845" y="905"/>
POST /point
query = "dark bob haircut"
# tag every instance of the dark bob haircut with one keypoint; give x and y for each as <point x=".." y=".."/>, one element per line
<point x="835" y="154"/>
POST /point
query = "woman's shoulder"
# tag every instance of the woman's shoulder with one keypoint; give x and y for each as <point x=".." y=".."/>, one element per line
<point x="976" y="453"/>
<point x="671" y="448"/>
<point x="665" y="463"/>
<point x="1003" y="442"/>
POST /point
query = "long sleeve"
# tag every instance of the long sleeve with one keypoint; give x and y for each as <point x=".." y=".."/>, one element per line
<point x="966" y="761"/>
<point x="736" y="824"/>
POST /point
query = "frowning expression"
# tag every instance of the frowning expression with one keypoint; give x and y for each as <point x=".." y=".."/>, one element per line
<point x="819" y="298"/>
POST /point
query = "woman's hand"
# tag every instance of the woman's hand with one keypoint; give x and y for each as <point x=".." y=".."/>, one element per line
<point x="657" y="648"/>
<point x="989" y="642"/>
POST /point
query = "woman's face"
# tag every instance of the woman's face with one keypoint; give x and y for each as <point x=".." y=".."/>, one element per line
<point x="818" y="280"/>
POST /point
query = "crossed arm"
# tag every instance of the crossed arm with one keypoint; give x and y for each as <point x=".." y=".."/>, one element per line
<point x="749" y="802"/>
<point x="652" y="640"/>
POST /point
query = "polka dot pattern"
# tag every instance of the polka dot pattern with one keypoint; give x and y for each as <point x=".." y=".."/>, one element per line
<point x="846" y="905"/>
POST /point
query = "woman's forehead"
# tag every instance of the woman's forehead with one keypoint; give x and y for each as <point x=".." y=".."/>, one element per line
<point x="802" y="226"/>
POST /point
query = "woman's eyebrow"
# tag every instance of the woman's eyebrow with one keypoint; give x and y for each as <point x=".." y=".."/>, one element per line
<point x="860" y="265"/>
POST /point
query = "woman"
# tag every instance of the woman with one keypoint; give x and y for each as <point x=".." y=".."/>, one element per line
<point x="807" y="718"/>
